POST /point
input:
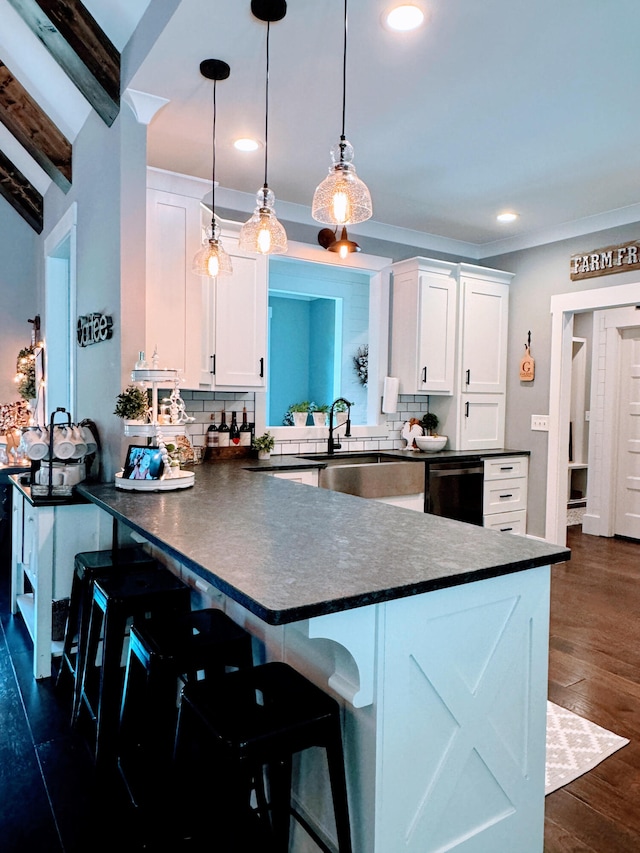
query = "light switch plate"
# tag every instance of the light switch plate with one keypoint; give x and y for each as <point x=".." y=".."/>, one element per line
<point x="540" y="422"/>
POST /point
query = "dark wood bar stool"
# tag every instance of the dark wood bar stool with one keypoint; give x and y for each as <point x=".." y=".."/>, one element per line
<point x="117" y="601"/>
<point x="165" y="654"/>
<point x="89" y="565"/>
<point x="233" y="728"/>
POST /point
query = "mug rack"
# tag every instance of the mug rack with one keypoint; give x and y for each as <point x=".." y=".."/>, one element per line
<point x="54" y="490"/>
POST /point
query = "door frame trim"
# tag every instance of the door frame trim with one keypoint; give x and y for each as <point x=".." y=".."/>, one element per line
<point x="563" y="308"/>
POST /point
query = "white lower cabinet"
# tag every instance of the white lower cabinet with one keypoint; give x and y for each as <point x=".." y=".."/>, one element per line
<point x="481" y="422"/>
<point x="309" y="476"/>
<point x="504" y="504"/>
<point x="45" y="540"/>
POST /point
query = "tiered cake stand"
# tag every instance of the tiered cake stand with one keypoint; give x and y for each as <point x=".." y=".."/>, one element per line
<point x="154" y="430"/>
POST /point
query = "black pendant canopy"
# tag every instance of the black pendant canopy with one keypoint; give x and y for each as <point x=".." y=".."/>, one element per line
<point x="269" y="10"/>
<point x="214" y="69"/>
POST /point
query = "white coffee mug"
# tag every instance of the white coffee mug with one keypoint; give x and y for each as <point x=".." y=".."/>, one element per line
<point x="89" y="439"/>
<point x="63" y="444"/>
<point x="35" y="442"/>
<point x="80" y="445"/>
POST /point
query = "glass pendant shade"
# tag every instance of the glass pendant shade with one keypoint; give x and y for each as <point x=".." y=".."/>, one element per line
<point x="212" y="260"/>
<point x="263" y="233"/>
<point x="342" y="198"/>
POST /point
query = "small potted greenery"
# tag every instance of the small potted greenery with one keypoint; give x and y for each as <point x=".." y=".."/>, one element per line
<point x="300" y="412"/>
<point x="340" y="410"/>
<point x="319" y="413"/>
<point x="431" y="442"/>
<point x="132" y="405"/>
<point x="429" y="423"/>
<point x="264" y="444"/>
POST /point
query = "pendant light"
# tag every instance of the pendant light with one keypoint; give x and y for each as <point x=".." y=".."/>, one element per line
<point x="212" y="260"/>
<point x="263" y="233"/>
<point x="342" y="198"/>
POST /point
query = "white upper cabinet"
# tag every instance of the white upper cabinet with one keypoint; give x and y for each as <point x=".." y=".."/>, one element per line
<point x="213" y="331"/>
<point x="172" y="304"/>
<point x="484" y="320"/>
<point x="234" y="321"/>
<point x="423" y="326"/>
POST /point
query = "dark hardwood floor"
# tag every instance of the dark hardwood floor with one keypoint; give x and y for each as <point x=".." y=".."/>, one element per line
<point x="51" y="802"/>
<point x="594" y="670"/>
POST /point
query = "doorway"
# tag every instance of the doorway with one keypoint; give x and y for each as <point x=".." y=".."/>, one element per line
<point x="60" y="308"/>
<point x="564" y="307"/>
<point x="627" y="490"/>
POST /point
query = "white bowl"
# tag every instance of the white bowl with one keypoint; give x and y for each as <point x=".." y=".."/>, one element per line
<point x="431" y="443"/>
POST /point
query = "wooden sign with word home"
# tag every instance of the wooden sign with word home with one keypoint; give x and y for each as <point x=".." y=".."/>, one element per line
<point x="621" y="258"/>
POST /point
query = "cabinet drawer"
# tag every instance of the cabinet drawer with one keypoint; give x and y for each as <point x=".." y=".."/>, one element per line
<point x="504" y="495"/>
<point x="508" y="522"/>
<point x="506" y="467"/>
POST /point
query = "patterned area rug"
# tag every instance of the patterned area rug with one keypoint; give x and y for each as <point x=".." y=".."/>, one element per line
<point x="575" y="514"/>
<point x="574" y="746"/>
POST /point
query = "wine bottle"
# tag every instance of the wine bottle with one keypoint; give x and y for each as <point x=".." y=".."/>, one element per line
<point x="234" y="432"/>
<point x="245" y="430"/>
<point x="212" y="434"/>
<point x="223" y="431"/>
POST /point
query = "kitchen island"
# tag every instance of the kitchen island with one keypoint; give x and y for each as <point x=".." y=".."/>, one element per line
<point x="433" y="634"/>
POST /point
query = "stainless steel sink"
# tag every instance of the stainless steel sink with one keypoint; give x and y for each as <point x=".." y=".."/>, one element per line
<point x="341" y="459"/>
<point x="365" y="476"/>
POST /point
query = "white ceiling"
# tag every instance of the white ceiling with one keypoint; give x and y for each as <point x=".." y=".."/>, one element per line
<point x="493" y="105"/>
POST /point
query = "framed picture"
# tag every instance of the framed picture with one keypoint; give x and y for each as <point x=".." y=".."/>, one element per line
<point x="143" y="463"/>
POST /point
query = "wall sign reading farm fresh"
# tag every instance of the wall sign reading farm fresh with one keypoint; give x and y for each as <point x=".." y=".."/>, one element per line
<point x="94" y="328"/>
<point x="621" y="258"/>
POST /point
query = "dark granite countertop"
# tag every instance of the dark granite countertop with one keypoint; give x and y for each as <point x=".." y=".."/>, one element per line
<point x="318" y="460"/>
<point x="287" y="551"/>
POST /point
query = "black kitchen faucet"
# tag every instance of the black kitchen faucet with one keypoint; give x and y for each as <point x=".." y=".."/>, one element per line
<point x="334" y="445"/>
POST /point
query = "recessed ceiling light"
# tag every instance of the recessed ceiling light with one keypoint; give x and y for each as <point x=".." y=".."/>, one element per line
<point x="404" y="18"/>
<point x="246" y="144"/>
<point x="507" y="217"/>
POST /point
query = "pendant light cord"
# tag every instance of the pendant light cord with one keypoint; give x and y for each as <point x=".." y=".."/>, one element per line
<point x="343" y="138"/>
<point x="213" y="160"/>
<point x="266" y="118"/>
<point x="344" y="71"/>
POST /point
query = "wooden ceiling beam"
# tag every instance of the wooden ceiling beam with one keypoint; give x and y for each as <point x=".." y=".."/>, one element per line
<point x="34" y="130"/>
<point x="80" y="47"/>
<point x="21" y="194"/>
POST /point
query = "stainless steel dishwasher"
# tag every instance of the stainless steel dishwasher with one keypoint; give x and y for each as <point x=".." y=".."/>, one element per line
<point x="454" y="490"/>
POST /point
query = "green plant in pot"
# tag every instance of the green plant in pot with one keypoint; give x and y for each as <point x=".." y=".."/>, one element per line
<point x="264" y="444"/>
<point x="429" y="423"/>
<point x="319" y="413"/>
<point x="132" y="404"/>
<point x="300" y="412"/>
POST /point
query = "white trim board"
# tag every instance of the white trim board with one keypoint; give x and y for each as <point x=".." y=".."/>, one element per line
<point x="563" y="308"/>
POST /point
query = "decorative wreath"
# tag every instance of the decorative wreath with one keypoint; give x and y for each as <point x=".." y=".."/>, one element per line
<point x="26" y="373"/>
<point x="361" y="364"/>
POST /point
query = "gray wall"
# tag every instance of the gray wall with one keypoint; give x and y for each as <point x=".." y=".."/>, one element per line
<point x="541" y="273"/>
<point x="18" y="293"/>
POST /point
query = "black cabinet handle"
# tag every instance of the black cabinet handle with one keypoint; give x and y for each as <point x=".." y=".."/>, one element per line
<point x="505" y="496"/>
<point x="213" y="364"/>
<point x="506" y="468"/>
<point x="262" y="368"/>
<point x="468" y="377"/>
<point x="505" y="529"/>
<point x="424" y="374"/>
<point x="466" y="409"/>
